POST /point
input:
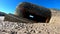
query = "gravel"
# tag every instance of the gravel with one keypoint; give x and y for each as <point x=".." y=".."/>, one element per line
<point x="53" y="27"/>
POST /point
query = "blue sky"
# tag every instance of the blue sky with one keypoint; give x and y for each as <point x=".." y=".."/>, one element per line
<point x="9" y="6"/>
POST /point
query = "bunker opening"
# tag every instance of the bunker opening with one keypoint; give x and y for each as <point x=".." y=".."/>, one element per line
<point x="36" y="17"/>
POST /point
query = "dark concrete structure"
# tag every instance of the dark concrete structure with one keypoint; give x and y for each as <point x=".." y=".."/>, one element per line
<point x="33" y="12"/>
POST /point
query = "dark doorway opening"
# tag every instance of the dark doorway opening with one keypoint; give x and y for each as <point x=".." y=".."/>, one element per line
<point x="34" y="17"/>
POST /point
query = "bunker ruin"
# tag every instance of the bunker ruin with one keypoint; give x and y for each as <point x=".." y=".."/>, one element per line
<point x="33" y="12"/>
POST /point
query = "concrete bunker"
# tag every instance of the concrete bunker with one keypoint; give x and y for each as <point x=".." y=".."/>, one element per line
<point x="33" y="12"/>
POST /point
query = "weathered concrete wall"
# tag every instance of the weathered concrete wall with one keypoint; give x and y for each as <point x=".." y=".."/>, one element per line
<point x="55" y="18"/>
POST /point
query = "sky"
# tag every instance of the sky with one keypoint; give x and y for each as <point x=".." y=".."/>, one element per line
<point x="9" y="6"/>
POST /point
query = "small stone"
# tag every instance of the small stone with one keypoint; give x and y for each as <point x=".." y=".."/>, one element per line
<point x="48" y="32"/>
<point x="13" y="32"/>
<point x="3" y="31"/>
<point x="25" y="32"/>
<point x="32" y="31"/>
<point x="39" y="31"/>
<point x="28" y="33"/>
<point x="44" y="24"/>
<point x="31" y="27"/>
